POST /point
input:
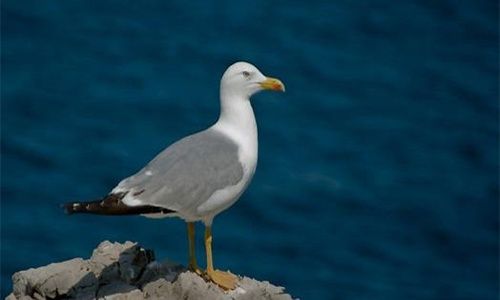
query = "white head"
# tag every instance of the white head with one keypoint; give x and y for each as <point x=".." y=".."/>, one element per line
<point x="242" y="80"/>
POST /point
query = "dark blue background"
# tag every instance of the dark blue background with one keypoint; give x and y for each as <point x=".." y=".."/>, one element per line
<point x="377" y="175"/>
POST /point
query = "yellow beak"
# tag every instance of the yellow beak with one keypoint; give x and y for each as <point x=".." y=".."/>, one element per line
<point x="272" y="84"/>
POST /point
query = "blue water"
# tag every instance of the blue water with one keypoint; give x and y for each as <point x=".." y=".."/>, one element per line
<point x="377" y="175"/>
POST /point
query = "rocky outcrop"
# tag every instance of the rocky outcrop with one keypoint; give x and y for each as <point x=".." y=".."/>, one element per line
<point x="128" y="271"/>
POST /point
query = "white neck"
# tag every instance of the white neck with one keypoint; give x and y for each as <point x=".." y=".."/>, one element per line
<point x="237" y="121"/>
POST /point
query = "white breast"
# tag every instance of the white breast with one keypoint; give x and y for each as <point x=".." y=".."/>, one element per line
<point x="239" y="126"/>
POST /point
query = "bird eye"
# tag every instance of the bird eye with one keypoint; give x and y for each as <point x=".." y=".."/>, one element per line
<point x="246" y="74"/>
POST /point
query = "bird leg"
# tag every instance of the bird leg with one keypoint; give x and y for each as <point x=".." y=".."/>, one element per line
<point x="193" y="266"/>
<point x="225" y="280"/>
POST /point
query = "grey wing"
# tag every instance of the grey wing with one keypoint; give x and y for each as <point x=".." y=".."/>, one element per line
<point x="185" y="174"/>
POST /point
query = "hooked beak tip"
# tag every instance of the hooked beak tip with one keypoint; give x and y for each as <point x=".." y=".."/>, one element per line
<point x="272" y="84"/>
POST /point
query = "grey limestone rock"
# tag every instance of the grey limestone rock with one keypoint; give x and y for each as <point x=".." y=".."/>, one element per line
<point x="128" y="272"/>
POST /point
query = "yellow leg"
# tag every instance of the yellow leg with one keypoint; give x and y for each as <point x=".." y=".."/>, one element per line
<point x="225" y="280"/>
<point x="193" y="266"/>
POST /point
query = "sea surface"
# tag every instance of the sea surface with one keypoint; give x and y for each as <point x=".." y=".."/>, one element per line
<point x="378" y="168"/>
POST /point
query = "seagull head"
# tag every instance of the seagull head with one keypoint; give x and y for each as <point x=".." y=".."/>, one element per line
<point x="242" y="79"/>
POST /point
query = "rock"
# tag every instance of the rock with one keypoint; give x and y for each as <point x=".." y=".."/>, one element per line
<point x="66" y="278"/>
<point x="119" y="290"/>
<point x="127" y="261"/>
<point x="128" y="271"/>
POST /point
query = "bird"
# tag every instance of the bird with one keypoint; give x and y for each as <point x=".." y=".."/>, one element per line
<point x="202" y="174"/>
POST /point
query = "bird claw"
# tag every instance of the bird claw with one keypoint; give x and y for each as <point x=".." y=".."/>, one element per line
<point x="195" y="269"/>
<point x="225" y="280"/>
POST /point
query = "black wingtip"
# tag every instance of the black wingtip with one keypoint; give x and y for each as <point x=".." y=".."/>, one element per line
<point x="111" y="205"/>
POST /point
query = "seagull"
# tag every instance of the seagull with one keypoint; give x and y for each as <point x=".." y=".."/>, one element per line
<point x="201" y="175"/>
